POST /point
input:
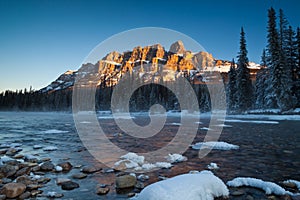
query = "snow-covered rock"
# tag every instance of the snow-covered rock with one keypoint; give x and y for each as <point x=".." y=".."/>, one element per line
<point x="203" y="186"/>
<point x="212" y="166"/>
<point x="268" y="187"/>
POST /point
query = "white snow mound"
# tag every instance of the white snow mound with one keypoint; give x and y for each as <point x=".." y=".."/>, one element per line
<point x="175" y="158"/>
<point x="202" y="186"/>
<point x="268" y="187"/>
<point x="215" y="145"/>
<point x="134" y="158"/>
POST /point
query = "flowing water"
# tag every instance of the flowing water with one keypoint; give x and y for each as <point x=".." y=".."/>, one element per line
<point x="269" y="150"/>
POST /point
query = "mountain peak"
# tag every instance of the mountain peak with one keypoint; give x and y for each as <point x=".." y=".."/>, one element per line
<point x="177" y="47"/>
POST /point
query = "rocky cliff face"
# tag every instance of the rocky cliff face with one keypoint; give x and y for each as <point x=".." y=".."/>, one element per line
<point x="150" y="62"/>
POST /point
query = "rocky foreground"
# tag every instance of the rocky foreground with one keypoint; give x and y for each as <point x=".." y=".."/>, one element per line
<point x="26" y="176"/>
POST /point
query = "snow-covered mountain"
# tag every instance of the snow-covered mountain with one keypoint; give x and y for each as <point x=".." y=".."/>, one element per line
<point x="149" y="62"/>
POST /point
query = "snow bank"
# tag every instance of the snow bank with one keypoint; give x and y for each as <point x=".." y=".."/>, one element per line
<point x="268" y="187"/>
<point x="251" y="121"/>
<point x="203" y="186"/>
<point x="215" y="145"/>
<point x="53" y="131"/>
<point x="134" y="158"/>
<point x="136" y="162"/>
<point x="175" y="158"/>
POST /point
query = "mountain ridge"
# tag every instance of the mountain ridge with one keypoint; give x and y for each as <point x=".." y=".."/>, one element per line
<point x="151" y="60"/>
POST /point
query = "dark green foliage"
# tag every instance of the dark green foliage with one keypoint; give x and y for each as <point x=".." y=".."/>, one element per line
<point x="243" y="82"/>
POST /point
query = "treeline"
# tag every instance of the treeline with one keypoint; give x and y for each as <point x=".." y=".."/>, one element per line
<point x="31" y="100"/>
<point x="278" y="82"/>
<point x="61" y="100"/>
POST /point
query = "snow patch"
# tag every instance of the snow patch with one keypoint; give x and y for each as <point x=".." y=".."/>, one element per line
<point x="251" y="121"/>
<point x="37" y="147"/>
<point x="175" y="158"/>
<point x="212" y="166"/>
<point x="134" y="158"/>
<point x="50" y="148"/>
<point x="58" y="168"/>
<point x="136" y="162"/>
<point x="268" y="187"/>
<point x="51" y="131"/>
<point x="203" y="185"/>
<point x="215" y="145"/>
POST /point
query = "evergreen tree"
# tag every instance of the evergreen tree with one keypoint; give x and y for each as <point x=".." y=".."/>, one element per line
<point x="272" y="58"/>
<point x="243" y="84"/>
<point x="231" y="88"/>
<point x="260" y="85"/>
<point x="297" y="52"/>
<point x="283" y="31"/>
<point x="279" y="88"/>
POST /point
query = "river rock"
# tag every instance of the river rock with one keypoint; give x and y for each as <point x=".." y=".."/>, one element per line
<point x="139" y="185"/>
<point x="60" y="181"/>
<point x="7" y="170"/>
<point x="24" y="180"/>
<point x="102" y="190"/>
<point x="79" y="175"/>
<point x="36" y="192"/>
<point x="5" y="180"/>
<point x="18" y="156"/>
<point x="25" y="195"/>
<point x="237" y="193"/>
<point x="23" y="171"/>
<point x="43" y="180"/>
<point x="12" y="190"/>
<point x="125" y="181"/>
<point x="70" y="185"/>
<point x="34" y="186"/>
<point x="66" y="166"/>
<point x="90" y="169"/>
<point x="47" y="166"/>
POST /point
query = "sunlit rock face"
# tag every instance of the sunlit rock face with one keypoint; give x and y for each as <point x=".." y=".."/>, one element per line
<point x="149" y="63"/>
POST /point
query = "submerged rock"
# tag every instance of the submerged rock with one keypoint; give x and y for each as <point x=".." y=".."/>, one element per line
<point x="79" y="175"/>
<point x="47" y="166"/>
<point x="102" y="190"/>
<point x="70" y="185"/>
<point x="90" y="169"/>
<point x="66" y="166"/>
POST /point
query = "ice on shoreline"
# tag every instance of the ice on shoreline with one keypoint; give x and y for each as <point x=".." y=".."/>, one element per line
<point x="138" y="163"/>
<point x="268" y="187"/>
<point x="251" y="121"/>
<point x="214" y="145"/>
<point x="54" y="131"/>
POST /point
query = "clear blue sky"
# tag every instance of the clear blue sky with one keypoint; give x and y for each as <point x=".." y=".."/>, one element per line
<point x="39" y="40"/>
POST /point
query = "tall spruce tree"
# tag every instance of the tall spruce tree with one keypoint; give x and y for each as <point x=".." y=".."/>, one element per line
<point x="279" y="88"/>
<point x="297" y="51"/>
<point x="260" y="85"/>
<point x="243" y="82"/>
<point x="231" y="88"/>
<point x="272" y="58"/>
